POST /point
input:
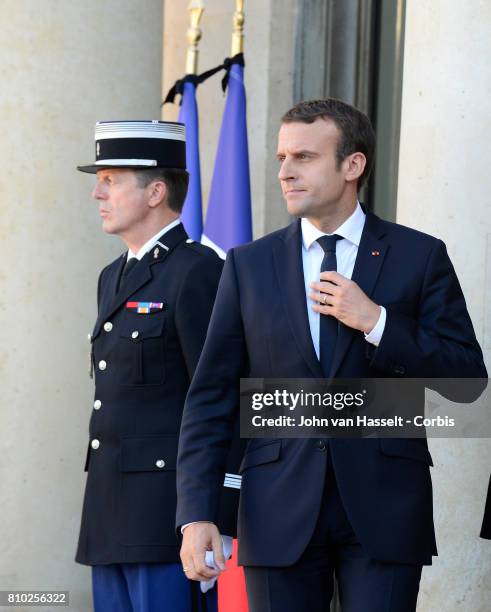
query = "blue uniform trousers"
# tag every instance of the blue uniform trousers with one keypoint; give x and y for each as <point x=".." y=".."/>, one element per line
<point x="148" y="587"/>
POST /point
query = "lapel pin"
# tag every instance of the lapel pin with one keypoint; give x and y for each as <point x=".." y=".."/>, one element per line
<point x="156" y="253"/>
<point x="375" y="253"/>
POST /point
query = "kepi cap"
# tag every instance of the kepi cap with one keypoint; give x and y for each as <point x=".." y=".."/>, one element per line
<point x="138" y="144"/>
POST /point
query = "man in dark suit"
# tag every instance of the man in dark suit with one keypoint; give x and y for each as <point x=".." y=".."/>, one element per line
<point x="154" y="305"/>
<point x="339" y="293"/>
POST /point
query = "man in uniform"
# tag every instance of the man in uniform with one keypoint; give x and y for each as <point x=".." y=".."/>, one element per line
<point x="338" y="293"/>
<point x="154" y="305"/>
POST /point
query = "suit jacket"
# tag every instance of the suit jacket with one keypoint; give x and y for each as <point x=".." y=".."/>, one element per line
<point x="260" y="329"/>
<point x="130" y="497"/>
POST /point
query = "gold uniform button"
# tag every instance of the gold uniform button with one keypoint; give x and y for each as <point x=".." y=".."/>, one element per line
<point x="89" y="337"/>
<point x="97" y="404"/>
<point x="160" y="463"/>
<point x="135" y="335"/>
<point x="108" y="326"/>
<point x="102" y="364"/>
<point x="95" y="444"/>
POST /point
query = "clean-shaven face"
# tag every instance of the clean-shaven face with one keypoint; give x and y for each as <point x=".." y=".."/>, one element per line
<point x="309" y="178"/>
<point x="122" y="202"/>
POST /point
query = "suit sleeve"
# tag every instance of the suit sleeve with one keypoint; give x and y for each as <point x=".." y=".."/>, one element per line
<point x="211" y="407"/>
<point x="438" y="343"/>
<point x="194" y="305"/>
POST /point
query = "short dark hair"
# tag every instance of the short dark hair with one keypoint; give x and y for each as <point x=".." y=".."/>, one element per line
<point x="356" y="130"/>
<point x="175" y="180"/>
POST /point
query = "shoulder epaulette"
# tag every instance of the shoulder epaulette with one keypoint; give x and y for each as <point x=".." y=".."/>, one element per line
<point x="199" y="248"/>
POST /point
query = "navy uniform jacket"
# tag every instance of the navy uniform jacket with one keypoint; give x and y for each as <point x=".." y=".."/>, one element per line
<point x="130" y="498"/>
<point x="260" y="329"/>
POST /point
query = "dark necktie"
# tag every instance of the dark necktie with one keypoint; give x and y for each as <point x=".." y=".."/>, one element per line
<point x="128" y="266"/>
<point x="328" y="330"/>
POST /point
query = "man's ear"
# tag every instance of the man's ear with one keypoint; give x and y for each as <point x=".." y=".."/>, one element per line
<point x="354" y="166"/>
<point x="157" y="193"/>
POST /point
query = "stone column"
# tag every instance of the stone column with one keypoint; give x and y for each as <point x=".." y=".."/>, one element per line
<point x="444" y="190"/>
<point x="64" y="64"/>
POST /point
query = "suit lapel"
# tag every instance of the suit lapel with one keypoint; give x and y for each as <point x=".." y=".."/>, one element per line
<point x="107" y="295"/>
<point x="289" y="269"/>
<point x="140" y="275"/>
<point x="371" y="254"/>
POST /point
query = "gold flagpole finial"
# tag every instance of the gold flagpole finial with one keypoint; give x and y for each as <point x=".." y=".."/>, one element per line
<point x="195" y="9"/>
<point x="238" y="33"/>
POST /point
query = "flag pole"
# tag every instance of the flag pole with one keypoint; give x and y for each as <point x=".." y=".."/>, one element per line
<point x="192" y="213"/>
<point x="238" y="31"/>
<point x="195" y="9"/>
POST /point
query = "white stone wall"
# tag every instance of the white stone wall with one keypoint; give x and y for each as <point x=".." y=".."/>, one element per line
<point x="444" y="189"/>
<point x="63" y="65"/>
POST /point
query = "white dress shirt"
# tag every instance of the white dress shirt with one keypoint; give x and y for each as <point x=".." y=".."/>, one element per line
<point x="149" y="244"/>
<point x="346" y="252"/>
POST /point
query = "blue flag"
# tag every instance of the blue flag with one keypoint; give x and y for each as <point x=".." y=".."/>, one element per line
<point x="192" y="215"/>
<point x="228" y="218"/>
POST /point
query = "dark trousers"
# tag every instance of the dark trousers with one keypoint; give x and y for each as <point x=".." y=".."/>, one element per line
<point x="364" y="585"/>
<point x="148" y="587"/>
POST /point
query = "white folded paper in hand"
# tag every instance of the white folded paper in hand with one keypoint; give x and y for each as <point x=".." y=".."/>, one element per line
<point x="227" y="543"/>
